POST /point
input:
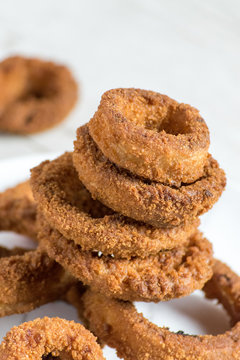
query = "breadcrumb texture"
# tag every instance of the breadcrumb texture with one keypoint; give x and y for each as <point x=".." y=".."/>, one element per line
<point x="150" y="202"/>
<point x="119" y="325"/>
<point x="151" y="135"/>
<point x="68" y="206"/>
<point x="169" y="274"/>
<point x="49" y="338"/>
<point x="28" y="279"/>
<point x="35" y="94"/>
<point x="18" y="210"/>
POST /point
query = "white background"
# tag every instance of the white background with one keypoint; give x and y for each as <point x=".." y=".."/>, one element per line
<point x="189" y="50"/>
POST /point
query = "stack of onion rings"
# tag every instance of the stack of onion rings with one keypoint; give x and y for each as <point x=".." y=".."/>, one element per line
<point x="69" y="217"/>
<point x="120" y="326"/>
<point x="151" y="135"/>
<point x="120" y="215"/>
<point x="28" y="279"/>
<point x="69" y="208"/>
<point x="127" y="229"/>
<point x="151" y="202"/>
<point x="35" y="95"/>
<point x="169" y="274"/>
<point x="50" y="338"/>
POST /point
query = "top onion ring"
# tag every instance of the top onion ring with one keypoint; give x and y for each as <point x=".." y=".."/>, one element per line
<point x="151" y="135"/>
<point x="143" y="200"/>
<point x="35" y="94"/>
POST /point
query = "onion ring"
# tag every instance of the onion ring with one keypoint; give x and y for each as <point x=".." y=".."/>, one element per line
<point x="120" y="326"/>
<point x="153" y="203"/>
<point x="46" y="337"/>
<point x="18" y="210"/>
<point x="151" y="135"/>
<point x="169" y="274"/>
<point x="37" y="94"/>
<point x="28" y="279"/>
<point x="68" y="207"/>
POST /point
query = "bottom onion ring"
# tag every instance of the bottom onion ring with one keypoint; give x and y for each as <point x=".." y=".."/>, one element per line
<point x="119" y="325"/>
<point x="50" y="338"/>
<point x="27" y="278"/>
<point x="18" y="210"/>
<point x="169" y="274"/>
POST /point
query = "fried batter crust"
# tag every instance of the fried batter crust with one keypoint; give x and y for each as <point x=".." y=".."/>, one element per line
<point x="119" y="325"/>
<point x="150" y="202"/>
<point x="36" y="94"/>
<point x="169" y="274"/>
<point x="68" y="207"/>
<point x="18" y="210"/>
<point x="28" y="279"/>
<point x="54" y="337"/>
<point x="151" y="135"/>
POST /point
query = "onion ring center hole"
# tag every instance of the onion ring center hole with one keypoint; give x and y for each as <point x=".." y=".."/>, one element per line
<point x="33" y="94"/>
<point x="41" y="84"/>
<point x="62" y="356"/>
<point x="156" y="116"/>
<point x="10" y="240"/>
<point x="193" y="315"/>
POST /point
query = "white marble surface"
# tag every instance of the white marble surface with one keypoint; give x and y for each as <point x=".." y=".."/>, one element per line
<point x="187" y="49"/>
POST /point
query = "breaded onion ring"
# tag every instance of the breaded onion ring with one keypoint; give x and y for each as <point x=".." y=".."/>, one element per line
<point x="151" y="135"/>
<point x="27" y="278"/>
<point x="50" y="337"/>
<point x="120" y="326"/>
<point x="153" y="203"/>
<point x="169" y="274"/>
<point x="68" y="207"/>
<point x="18" y="210"/>
<point x="35" y="95"/>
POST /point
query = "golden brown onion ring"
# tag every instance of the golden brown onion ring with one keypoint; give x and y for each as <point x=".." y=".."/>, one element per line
<point x="68" y="207"/>
<point x="151" y="135"/>
<point x="153" y="203"/>
<point x="50" y="337"/>
<point x="119" y="325"/>
<point x="27" y="278"/>
<point x="169" y="274"/>
<point x="18" y="210"/>
<point x="35" y="95"/>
